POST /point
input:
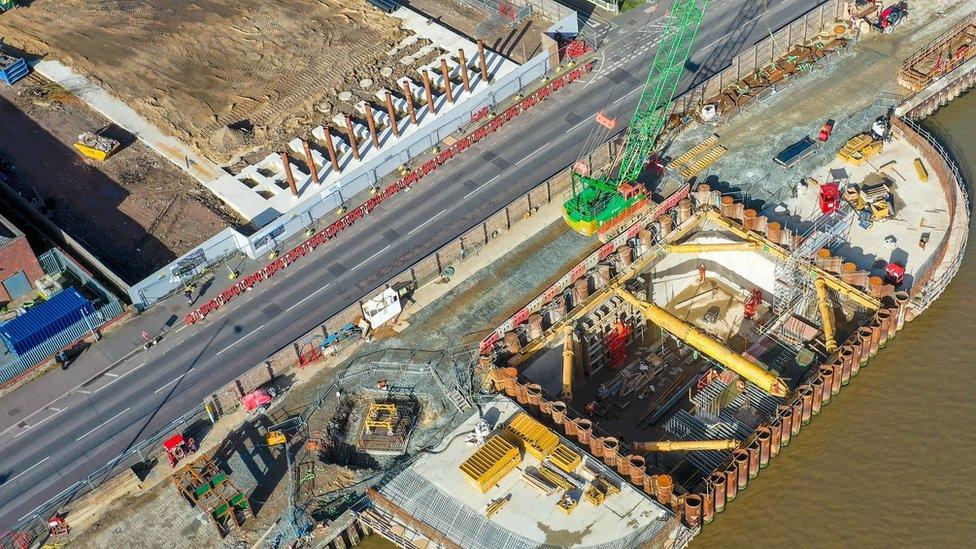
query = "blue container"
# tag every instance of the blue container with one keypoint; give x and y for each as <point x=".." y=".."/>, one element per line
<point x="12" y="69"/>
<point x="45" y="321"/>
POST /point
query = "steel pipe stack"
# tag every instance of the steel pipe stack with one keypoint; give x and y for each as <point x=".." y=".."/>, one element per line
<point x="901" y="301"/>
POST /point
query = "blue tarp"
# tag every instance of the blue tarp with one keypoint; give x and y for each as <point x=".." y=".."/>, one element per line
<point x="45" y="321"/>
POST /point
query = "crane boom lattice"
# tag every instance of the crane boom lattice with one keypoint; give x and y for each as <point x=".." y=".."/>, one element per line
<point x="680" y="27"/>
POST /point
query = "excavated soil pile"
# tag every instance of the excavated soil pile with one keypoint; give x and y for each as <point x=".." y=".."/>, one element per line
<point x="226" y="76"/>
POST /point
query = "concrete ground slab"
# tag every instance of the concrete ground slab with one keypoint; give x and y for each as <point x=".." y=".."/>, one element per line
<point x="920" y="212"/>
<point x="434" y="483"/>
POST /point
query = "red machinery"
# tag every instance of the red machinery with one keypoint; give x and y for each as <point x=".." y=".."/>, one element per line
<point x="755" y="298"/>
<point x="825" y="131"/>
<point x="829" y="197"/>
<point x="258" y="400"/>
<point x="892" y="15"/>
<point x="178" y="448"/>
<point x="617" y="344"/>
<point x="894" y="274"/>
<point x="58" y="526"/>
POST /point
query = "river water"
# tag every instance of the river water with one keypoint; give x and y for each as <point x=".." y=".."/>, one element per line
<point x="886" y="464"/>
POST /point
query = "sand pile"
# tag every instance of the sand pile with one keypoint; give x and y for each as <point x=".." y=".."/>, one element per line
<point x="226" y="76"/>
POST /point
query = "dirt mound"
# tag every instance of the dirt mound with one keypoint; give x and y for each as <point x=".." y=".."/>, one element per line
<point x="202" y="70"/>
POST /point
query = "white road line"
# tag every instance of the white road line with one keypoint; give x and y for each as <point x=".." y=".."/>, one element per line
<point x="367" y="260"/>
<point x="418" y="227"/>
<point x="109" y="420"/>
<point x="241" y="339"/>
<point x="179" y="377"/>
<point x="580" y="123"/>
<point x="112" y="375"/>
<point x="29" y="427"/>
<point x="28" y="469"/>
<point x="306" y="298"/>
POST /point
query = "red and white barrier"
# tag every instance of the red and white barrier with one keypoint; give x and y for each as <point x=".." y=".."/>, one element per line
<point x="352" y="216"/>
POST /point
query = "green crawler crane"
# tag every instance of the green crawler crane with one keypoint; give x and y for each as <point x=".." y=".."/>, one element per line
<point x="598" y="202"/>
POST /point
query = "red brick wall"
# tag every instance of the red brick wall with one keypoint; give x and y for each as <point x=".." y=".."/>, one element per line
<point x="17" y="256"/>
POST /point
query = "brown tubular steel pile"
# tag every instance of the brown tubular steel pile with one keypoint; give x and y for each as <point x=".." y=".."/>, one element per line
<point x="755" y="453"/>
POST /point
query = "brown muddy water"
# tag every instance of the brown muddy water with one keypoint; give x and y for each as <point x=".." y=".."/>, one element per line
<point x="888" y="462"/>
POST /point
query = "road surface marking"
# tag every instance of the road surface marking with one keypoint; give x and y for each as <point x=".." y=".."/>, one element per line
<point x="240" y="340"/>
<point x="112" y="375"/>
<point x="109" y="420"/>
<point x="306" y="298"/>
<point x="29" y="427"/>
<point x="179" y="377"/>
<point x="28" y="469"/>
<point x="387" y="247"/>
<point x="418" y="227"/>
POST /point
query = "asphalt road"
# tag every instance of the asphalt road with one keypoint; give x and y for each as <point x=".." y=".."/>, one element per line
<point x="45" y="449"/>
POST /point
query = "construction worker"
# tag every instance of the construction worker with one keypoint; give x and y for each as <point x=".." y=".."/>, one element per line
<point x="701" y="273"/>
<point x="188" y="294"/>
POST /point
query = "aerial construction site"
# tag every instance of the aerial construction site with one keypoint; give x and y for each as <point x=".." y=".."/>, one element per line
<point x="644" y="247"/>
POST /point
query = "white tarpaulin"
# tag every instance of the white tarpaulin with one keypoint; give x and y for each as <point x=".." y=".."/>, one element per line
<point x="382" y="308"/>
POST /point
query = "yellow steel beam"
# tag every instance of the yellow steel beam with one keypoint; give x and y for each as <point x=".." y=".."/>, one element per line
<point x="826" y="314"/>
<point x="716" y="247"/>
<point x="567" y="363"/>
<point x="600" y="296"/>
<point x="838" y="285"/>
<point x="753" y="372"/>
<point x="684" y="445"/>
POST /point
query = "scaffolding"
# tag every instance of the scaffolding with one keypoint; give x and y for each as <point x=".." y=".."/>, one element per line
<point x="794" y="290"/>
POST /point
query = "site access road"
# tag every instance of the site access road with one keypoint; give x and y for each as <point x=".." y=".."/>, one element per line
<point x="44" y="448"/>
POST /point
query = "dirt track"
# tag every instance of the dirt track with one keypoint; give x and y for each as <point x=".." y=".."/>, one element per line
<point x="195" y="68"/>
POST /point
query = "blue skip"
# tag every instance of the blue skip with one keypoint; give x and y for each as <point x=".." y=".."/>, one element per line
<point x="12" y="69"/>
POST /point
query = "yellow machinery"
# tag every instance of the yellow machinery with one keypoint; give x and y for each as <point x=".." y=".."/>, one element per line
<point x="859" y="149"/>
<point x="880" y="210"/>
<point x="715" y="247"/>
<point x="536" y="439"/>
<point x="567" y="503"/>
<point x="836" y="284"/>
<point x="495" y="459"/>
<point x="554" y="478"/>
<point x="95" y="146"/>
<point x="853" y="197"/>
<point x="765" y="380"/>
<point x="276" y="437"/>
<point x="684" y="445"/>
<point x="599" y="490"/>
<point x="568" y="352"/>
<point x="826" y="314"/>
<point x="495" y="505"/>
<point x="565" y="458"/>
<point x="380" y="416"/>
<point x="923" y="174"/>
